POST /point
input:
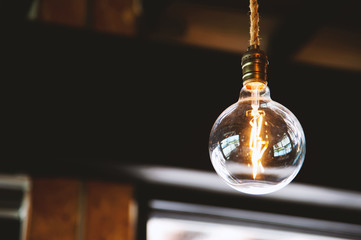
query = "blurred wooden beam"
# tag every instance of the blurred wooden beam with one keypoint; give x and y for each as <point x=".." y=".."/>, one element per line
<point x="334" y="48"/>
<point x="65" y="209"/>
<point x="116" y="16"/>
<point x="109" y="211"/>
<point x="54" y="209"/>
<point x="67" y="12"/>
<point x="298" y="26"/>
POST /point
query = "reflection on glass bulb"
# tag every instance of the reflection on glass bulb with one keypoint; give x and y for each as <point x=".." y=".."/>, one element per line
<point x="256" y="145"/>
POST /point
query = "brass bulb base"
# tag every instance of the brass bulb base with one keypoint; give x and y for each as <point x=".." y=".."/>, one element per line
<point x="254" y="65"/>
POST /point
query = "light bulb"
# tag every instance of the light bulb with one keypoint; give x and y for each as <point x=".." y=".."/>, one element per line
<point x="256" y="145"/>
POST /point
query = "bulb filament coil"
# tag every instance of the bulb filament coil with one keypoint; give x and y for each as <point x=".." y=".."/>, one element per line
<point x="256" y="144"/>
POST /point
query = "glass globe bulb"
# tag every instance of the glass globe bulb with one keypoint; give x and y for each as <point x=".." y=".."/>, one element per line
<point x="257" y="145"/>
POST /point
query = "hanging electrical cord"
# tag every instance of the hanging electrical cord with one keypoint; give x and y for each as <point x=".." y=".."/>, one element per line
<point x="254" y="60"/>
<point x="254" y="23"/>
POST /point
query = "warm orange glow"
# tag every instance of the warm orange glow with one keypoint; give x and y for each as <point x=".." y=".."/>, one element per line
<point x="257" y="145"/>
<point x="255" y="86"/>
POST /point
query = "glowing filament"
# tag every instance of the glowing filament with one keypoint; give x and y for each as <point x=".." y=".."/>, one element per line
<point x="257" y="145"/>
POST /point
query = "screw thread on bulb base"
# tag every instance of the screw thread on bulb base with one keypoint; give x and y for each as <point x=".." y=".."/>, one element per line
<point x="254" y="65"/>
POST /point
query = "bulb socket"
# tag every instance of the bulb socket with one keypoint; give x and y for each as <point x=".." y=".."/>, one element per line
<point x="254" y="65"/>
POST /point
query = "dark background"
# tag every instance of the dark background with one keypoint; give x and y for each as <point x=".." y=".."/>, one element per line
<point x="76" y="101"/>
